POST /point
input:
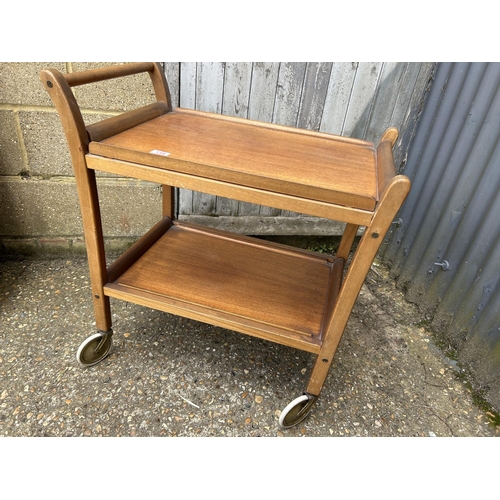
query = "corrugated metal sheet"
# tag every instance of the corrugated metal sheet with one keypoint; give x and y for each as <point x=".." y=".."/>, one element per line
<point x="453" y="214"/>
<point x="357" y="99"/>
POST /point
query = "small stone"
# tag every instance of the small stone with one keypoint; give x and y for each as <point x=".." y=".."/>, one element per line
<point x="126" y="335"/>
<point x="248" y="421"/>
<point x="259" y="399"/>
<point x="441" y="371"/>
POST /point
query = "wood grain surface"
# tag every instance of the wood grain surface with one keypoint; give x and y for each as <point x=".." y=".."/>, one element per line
<point x="238" y="275"/>
<point x="316" y="167"/>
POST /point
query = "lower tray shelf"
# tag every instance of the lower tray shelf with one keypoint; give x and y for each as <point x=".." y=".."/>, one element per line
<point x="248" y="285"/>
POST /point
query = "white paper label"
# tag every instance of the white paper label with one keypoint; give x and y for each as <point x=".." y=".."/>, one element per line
<point x="158" y="152"/>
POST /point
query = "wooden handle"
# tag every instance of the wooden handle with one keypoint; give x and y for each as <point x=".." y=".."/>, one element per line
<point x="99" y="74"/>
<point x="116" y="124"/>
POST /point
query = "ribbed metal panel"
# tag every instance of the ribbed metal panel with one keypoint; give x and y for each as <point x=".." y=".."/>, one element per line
<point x="453" y="214"/>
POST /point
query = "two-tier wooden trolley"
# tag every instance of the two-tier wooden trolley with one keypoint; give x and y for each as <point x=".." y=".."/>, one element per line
<point x="282" y="294"/>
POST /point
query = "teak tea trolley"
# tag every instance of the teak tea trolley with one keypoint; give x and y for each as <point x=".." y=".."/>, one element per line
<point x="291" y="296"/>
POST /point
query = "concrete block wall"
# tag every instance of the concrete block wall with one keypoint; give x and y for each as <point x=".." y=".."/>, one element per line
<point x="39" y="207"/>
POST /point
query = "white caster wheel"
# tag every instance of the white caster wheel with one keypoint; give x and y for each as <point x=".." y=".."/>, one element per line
<point x="94" y="349"/>
<point x="297" y="410"/>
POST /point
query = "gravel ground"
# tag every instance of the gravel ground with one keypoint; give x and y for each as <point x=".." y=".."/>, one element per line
<point x="169" y="376"/>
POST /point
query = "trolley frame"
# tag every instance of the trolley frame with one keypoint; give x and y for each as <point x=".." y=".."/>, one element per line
<point x="282" y="294"/>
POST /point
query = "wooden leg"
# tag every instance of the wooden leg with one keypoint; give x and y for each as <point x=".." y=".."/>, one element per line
<point x="94" y="242"/>
<point x="347" y="240"/>
<point x="348" y="294"/>
<point x="363" y="258"/>
<point x="78" y="140"/>
<point x="168" y="202"/>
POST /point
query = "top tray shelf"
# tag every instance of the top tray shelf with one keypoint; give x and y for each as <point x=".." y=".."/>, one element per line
<point x="310" y="165"/>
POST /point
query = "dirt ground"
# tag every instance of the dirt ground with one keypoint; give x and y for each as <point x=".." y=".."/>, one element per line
<point x="169" y="376"/>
